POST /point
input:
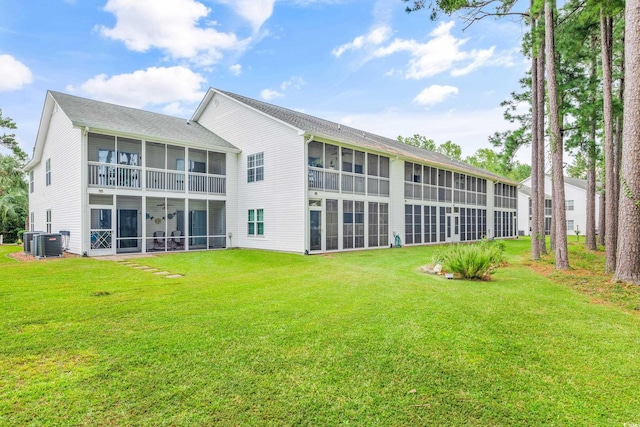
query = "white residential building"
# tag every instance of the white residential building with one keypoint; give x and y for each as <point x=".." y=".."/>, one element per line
<point x="576" y="205"/>
<point x="245" y="173"/>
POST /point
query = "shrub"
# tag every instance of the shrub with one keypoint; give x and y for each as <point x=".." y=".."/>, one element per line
<point x="474" y="262"/>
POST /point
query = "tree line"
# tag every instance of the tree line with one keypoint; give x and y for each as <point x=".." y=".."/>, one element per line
<point x="583" y="90"/>
<point x="13" y="187"/>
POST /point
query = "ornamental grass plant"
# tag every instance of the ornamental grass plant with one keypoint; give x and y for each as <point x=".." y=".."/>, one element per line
<point x="474" y="261"/>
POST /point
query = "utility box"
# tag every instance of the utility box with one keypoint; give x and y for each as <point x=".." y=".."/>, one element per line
<point x="27" y="239"/>
<point x="47" y="245"/>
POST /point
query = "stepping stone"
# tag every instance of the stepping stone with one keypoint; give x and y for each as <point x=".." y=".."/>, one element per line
<point x="151" y="270"/>
<point x="141" y="267"/>
<point x="162" y="273"/>
<point x="174" y="276"/>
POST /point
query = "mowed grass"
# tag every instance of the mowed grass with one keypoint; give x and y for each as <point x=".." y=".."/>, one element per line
<point x="260" y="338"/>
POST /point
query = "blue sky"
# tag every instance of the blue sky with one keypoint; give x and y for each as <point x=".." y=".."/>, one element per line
<point x="367" y="64"/>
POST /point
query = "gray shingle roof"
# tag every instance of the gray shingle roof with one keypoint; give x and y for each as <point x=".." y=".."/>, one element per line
<point x="348" y="135"/>
<point x="145" y="124"/>
<point x="524" y="189"/>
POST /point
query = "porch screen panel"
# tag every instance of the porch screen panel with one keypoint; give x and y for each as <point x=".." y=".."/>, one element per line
<point x="358" y="224"/>
<point x="347" y="224"/>
<point x="463" y="224"/>
<point x="443" y="235"/>
<point x="332" y="225"/>
<point x="373" y="224"/>
<point x="408" y="224"/>
<point x="383" y="209"/>
<point x="417" y="221"/>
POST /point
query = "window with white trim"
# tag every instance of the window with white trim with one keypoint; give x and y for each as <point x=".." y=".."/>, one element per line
<point x="30" y="181"/>
<point x="569" y="225"/>
<point x="255" y="222"/>
<point x="568" y="205"/>
<point x="32" y="221"/>
<point x="255" y="167"/>
<point x="48" y="172"/>
<point x="48" y="220"/>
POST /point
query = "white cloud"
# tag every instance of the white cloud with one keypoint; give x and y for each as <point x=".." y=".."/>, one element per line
<point x="236" y="69"/>
<point x="375" y="37"/>
<point x="270" y="94"/>
<point x="255" y="11"/>
<point x="153" y="86"/>
<point x="13" y="74"/>
<point x="171" y="26"/>
<point x="294" y="82"/>
<point x="441" y="53"/>
<point x="435" y="94"/>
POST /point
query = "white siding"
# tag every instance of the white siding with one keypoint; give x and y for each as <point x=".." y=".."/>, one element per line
<point x="579" y="196"/>
<point x="282" y="194"/>
<point x="396" y="192"/>
<point x="524" y="223"/>
<point x="64" y="195"/>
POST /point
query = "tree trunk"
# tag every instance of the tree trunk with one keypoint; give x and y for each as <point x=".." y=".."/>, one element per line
<point x="611" y="208"/>
<point x="590" y="232"/>
<point x="628" y="267"/>
<point x="535" y="187"/>
<point x="602" y="220"/>
<point x="541" y="152"/>
<point x="555" y="137"/>
<point x="619" y="130"/>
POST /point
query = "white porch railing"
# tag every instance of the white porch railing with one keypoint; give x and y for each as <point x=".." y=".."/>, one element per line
<point x="122" y="176"/>
<point x="327" y="180"/>
<point x="346" y="182"/>
<point x="110" y="175"/>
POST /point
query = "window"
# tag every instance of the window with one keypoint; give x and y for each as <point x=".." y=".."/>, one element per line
<point x="255" y="167"/>
<point x="48" y="172"/>
<point x="568" y="205"/>
<point x="32" y="221"/>
<point x="256" y="222"/>
<point x="569" y="225"/>
<point x="48" y="220"/>
<point x="30" y="181"/>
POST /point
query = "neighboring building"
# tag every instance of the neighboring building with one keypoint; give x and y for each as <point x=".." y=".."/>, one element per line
<point x="524" y="200"/>
<point x="576" y="205"/>
<point x="244" y="173"/>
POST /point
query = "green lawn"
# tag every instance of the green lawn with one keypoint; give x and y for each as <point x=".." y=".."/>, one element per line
<point x="260" y="338"/>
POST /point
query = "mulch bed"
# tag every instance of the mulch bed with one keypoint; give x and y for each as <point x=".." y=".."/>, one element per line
<point x="21" y="256"/>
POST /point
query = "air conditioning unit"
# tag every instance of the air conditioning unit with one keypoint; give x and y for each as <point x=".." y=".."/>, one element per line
<point x="47" y="245"/>
<point x="27" y="238"/>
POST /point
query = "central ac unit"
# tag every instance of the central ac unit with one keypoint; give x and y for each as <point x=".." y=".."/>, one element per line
<point x="47" y="245"/>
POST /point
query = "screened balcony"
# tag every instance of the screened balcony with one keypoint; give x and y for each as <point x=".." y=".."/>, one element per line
<point x="343" y="170"/>
<point x="117" y="162"/>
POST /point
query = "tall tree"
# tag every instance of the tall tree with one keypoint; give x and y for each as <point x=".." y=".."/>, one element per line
<point x="9" y="140"/>
<point x="418" y="140"/>
<point x="628" y="263"/>
<point x="13" y="187"/>
<point x="13" y="197"/>
<point x="450" y="149"/>
<point x="606" y="41"/>
<point x="555" y="137"/>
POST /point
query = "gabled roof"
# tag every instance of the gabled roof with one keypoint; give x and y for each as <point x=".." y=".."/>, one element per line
<point x="524" y="189"/>
<point x="102" y="116"/>
<point x="105" y="116"/>
<point x="317" y="127"/>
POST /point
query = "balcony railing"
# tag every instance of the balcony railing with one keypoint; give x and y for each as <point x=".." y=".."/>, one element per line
<point x="114" y="176"/>
<point x="346" y="182"/>
<point x="124" y="176"/>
